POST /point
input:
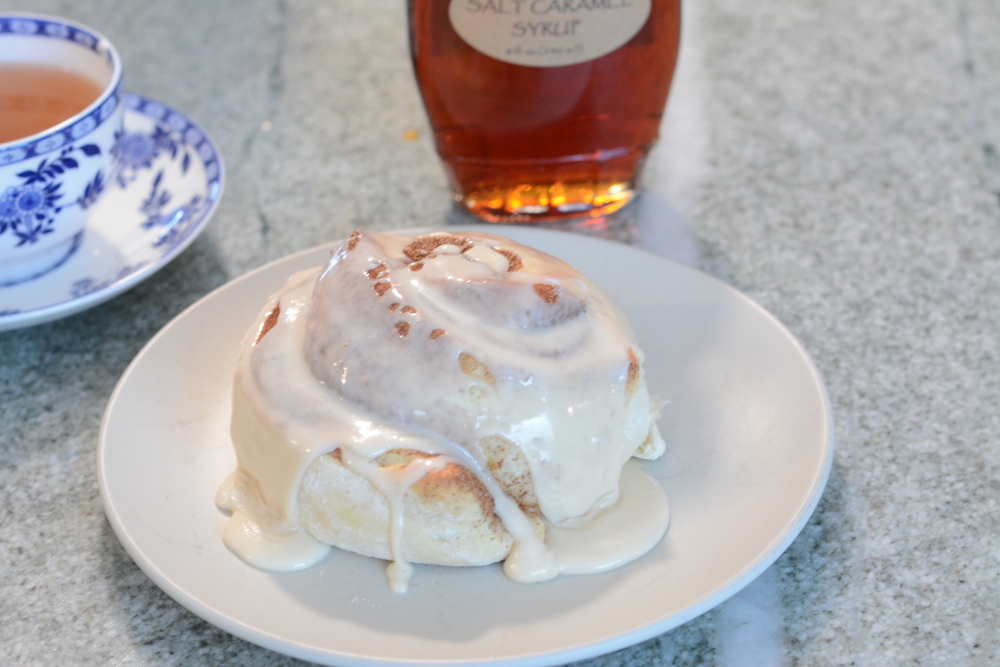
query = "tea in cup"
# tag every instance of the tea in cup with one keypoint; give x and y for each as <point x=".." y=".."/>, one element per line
<point x="60" y="114"/>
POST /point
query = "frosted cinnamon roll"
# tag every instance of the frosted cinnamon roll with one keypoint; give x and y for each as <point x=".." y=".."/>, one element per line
<point x="454" y="399"/>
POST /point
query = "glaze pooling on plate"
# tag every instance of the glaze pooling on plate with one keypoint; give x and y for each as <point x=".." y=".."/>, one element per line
<point x="166" y="183"/>
<point x="469" y="349"/>
<point x="749" y="447"/>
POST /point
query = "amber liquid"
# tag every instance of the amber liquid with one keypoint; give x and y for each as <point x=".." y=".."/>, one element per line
<point x="34" y="98"/>
<point x="543" y="143"/>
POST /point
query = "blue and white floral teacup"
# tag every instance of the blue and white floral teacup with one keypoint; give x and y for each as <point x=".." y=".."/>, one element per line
<point x="49" y="181"/>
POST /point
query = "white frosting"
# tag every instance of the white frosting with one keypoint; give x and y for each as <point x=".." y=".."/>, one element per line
<point x="395" y="346"/>
<point x="623" y="532"/>
<point x="393" y="484"/>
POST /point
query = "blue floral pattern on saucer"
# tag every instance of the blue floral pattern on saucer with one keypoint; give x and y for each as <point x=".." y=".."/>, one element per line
<point x="164" y="186"/>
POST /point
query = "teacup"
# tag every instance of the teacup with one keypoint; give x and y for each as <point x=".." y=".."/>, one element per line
<point x="50" y="180"/>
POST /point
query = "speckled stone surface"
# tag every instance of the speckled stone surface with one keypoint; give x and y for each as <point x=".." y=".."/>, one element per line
<point x="836" y="161"/>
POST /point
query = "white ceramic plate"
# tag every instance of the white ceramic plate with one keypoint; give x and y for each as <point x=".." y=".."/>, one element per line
<point x="749" y="444"/>
<point x="166" y="184"/>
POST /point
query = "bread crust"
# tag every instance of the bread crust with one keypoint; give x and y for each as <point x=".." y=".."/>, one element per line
<point x="448" y="516"/>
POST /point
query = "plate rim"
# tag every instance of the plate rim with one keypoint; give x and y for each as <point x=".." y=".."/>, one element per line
<point x="274" y="642"/>
<point x="74" y="305"/>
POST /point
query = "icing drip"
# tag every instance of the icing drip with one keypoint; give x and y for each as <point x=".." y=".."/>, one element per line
<point x="623" y="532"/>
<point x="393" y="484"/>
<point x="257" y="535"/>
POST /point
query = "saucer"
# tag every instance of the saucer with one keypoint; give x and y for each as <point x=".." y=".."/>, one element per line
<point x="165" y="186"/>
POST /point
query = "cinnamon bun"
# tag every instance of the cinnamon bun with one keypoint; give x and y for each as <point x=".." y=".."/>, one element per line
<point x="454" y="399"/>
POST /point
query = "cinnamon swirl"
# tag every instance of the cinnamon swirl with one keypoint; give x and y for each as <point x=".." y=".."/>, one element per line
<point x="455" y="399"/>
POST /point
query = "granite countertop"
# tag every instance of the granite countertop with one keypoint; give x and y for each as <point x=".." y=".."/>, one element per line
<point x="835" y="161"/>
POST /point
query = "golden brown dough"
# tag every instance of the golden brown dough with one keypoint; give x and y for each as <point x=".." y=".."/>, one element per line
<point x="448" y="515"/>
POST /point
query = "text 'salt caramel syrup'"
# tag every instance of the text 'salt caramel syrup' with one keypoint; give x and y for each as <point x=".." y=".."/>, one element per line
<point x="544" y="109"/>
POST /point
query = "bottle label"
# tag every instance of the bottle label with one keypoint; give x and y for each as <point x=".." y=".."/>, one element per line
<point x="547" y="33"/>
